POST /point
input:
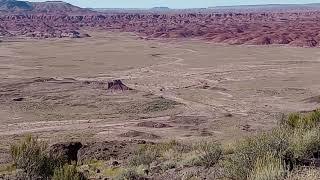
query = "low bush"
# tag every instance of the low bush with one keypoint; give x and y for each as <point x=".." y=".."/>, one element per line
<point x="302" y="121"/>
<point x="190" y="159"/>
<point x="304" y="143"/>
<point x="267" y="168"/>
<point x="307" y="173"/>
<point x="240" y="164"/>
<point x="149" y="153"/>
<point x="209" y="153"/>
<point x="143" y="157"/>
<point x="30" y="156"/>
<point x="129" y="174"/>
<point x="67" y="172"/>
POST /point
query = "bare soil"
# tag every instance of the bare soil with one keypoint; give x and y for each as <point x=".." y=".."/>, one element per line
<point x="186" y="90"/>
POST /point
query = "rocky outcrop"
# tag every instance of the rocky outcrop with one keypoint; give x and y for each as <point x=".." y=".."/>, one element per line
<point x="65" y="152"/>
<point x="117" y="85"/>
<point x="119" y="150"/>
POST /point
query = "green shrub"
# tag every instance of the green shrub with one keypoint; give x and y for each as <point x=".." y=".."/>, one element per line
<point x="143" y="157"/>
<point x="113" y="172"/>
<point x="304" y="173"/>
<point x="293" y="120"/>
<point x="304" y="143"/>
<point x="30" y="156"/>
<point x="302" y="121"/>
<point x="129" y="174"/>
<point x="168" y="165"/>
<point x="209" y="153"/>
<point x="67" y="172"/>
<point x="240" y="164"/>
<point x="268" y="167"/>
<point x="191" y="159"/>
<point x="190" y="175"/>
<point x="149" y="153"/>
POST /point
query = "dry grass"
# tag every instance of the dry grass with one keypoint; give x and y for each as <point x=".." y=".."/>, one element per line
<point x="29" y="155"/>
<point x="67" y="172"/>
<point x="304" y="173"/>
<point x="304" y="143"/>
<point x="241" y="163"/>
<point x="302" y="121"/>
<point x="268" y="167"/>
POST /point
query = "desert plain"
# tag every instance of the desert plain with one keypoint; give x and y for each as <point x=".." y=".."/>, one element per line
<point x="183" y="89"/>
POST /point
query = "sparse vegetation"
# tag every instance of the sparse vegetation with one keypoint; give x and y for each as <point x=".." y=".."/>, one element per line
<point x="268" y="167"/>
<point x="278" y="154"/>
<point x="304" y="143"/>
<point x="148" y="153"/>
<point x="304" y="173"/>
<point x="209" y="153"/>
<point x="67" y="172"/>
<point x="129" y="174"/>
<point x="156" y="105"/>
<point x="29" y="155"/>
<point x="302" y="121"/>
<point x="297" y="138"/>
<point x="240" y="164"/>
<point x="160" y="104"/>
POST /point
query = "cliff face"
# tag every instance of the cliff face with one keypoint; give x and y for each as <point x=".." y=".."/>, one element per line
<point x="300" y="28"/>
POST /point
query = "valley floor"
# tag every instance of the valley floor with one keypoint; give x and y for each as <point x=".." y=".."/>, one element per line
<point x="184" y="90"/>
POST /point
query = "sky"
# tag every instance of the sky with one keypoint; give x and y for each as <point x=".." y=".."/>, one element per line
<point x="176" y="3"/>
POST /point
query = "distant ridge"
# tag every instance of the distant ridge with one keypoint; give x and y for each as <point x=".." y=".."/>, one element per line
<point x="39" y="7"/>
<point x="271" y="6"/>
<point x="160" y="8"/>
<point x="13" y="5"/>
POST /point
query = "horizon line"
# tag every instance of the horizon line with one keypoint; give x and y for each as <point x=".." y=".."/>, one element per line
<point x="146" y="8"/>
<point x="165" y="6"/>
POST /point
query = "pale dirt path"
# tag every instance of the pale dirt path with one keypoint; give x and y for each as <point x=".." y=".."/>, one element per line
<point x="68" y="125"/>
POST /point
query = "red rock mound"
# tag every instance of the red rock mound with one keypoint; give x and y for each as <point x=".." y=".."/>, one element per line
<point x="117" y="85"/>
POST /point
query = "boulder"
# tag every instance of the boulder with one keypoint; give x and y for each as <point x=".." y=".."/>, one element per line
<point x="65" y="152"/>
<point x="107" y="150"/>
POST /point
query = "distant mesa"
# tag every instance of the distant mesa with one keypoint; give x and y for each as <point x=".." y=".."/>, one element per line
<point x="161" y="8"/>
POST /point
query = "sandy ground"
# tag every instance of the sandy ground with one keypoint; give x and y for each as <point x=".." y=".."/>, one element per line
<point x="185" y="90"/>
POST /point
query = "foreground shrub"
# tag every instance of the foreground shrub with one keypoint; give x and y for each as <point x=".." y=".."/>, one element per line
<point x="149" y="153"/>
<point x="302" y="121"/>
<point x="129" y="174"/>
<point x="29" y="155"/>
<point x="305" y="143"/>
<point x="67" y="172"/>
<point x="246" y="153"/>
<point x="307" y="173"/>
<point x="143" y="157"/>
<point x="267" y="168"/>
<point x="209" y="153"/>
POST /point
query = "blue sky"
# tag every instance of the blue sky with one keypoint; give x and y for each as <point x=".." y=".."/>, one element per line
<point x="176" y="3"/>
